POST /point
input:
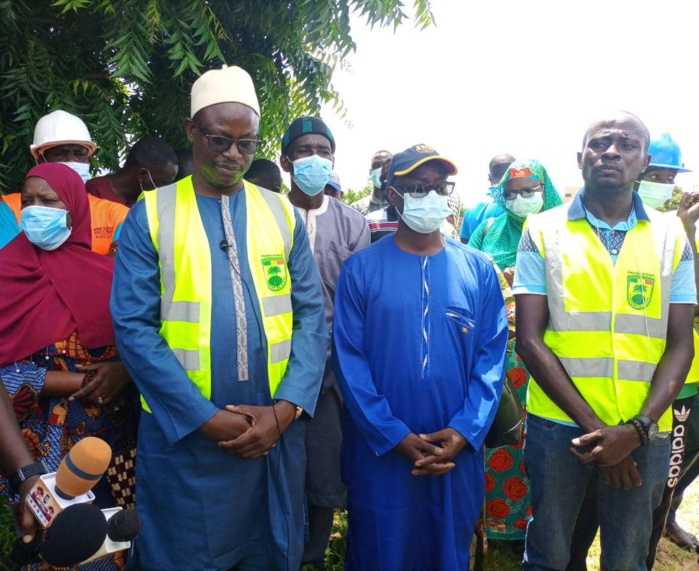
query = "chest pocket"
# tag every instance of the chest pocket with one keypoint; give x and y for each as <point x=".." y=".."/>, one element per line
<point x="461" y="318"/>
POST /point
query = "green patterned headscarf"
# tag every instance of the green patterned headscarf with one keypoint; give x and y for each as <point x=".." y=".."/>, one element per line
<point x="502" y="237"/>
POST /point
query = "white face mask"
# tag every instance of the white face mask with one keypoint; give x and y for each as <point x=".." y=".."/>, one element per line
<point x="524" y="206"/>
<point x="426" y="214"/>
<point x="655" y="194"/>
<point x="83" y="169"/>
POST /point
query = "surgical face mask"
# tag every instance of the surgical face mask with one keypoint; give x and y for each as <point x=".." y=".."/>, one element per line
<point x="311" y="174"/>
<point x="521" y="206"/>
<point x="655" y="194"/>
<point x="426" y="214"/>
<point x="83" y="169"/>
<point x="375" y="176"/>
<point x="45" y="227"/>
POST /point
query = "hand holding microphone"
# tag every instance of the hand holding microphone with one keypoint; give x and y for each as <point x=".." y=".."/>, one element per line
<point x="79" y="534"/>
<point x="77" y="473"/>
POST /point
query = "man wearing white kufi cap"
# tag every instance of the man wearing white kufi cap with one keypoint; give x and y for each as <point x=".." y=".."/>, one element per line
<point x="218" y="310"/>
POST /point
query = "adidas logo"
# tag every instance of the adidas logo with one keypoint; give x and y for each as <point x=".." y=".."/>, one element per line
<point x="683" y="414"/>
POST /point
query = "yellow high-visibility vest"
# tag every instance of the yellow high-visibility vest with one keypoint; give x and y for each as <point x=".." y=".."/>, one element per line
<point x="607" y="322"/>
<point x="178" y="235"/>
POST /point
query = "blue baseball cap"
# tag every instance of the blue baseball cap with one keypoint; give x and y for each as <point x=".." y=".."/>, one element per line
<point x="335" y="183"/>
<point x="408" y="160"/>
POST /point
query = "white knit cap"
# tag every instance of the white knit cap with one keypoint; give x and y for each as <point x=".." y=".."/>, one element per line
<point x="227" y="85"/>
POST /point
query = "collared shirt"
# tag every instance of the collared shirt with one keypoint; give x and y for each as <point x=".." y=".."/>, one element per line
<point x="382" y="222"/>
<point x="530" y="276"/>
<point x="369" y="204"/>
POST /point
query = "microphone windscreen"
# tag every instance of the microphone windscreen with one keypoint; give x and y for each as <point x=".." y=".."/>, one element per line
<point x="77" y="533"/>
<point x="82" y="467"/>
<point x="124" y="525"/>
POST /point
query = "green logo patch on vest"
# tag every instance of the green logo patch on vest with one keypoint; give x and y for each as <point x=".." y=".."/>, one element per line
<point x="639" y="289"/>
<point x="275" y="272"/>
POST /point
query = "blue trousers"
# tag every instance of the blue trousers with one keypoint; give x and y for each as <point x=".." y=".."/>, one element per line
<point x="558" y="482"/>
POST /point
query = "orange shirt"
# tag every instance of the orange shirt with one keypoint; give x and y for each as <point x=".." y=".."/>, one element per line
<point x="106" y="219"/>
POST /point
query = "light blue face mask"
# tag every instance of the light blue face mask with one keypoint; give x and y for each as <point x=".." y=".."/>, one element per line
<point x="83" y="169"/>
<point x="311" y="174"/>
<point x="375" y="176"/>
<point x="655" y="194"/>
<point x="45" y="227"/>
<point x="426" y="214"/>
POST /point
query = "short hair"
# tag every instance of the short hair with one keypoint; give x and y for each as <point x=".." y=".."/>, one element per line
<point x="264" y="173"/>
<point x="498" y="165"/>
<point x="185" y="163"/>
<point x="628" y="114"/>
<point x="151" y="153"/>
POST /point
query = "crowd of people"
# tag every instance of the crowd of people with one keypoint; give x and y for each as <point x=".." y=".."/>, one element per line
<point x="257" y="360"/>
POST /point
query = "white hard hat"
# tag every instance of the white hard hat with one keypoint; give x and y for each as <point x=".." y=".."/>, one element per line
<point x="60" y="128"/>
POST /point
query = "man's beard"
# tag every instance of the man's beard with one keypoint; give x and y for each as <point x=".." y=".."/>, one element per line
<point x="217" y="183"/>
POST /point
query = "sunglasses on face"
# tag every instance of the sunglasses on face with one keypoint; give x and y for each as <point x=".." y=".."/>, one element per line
<point x="444" y="188"/>
<point x="220" y="144"/>
<point x="523" y="192"/>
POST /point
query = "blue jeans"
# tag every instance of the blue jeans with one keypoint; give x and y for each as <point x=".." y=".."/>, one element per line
<point x="558" y="482"/>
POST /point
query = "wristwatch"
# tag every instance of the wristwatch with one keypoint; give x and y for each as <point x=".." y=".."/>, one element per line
<point x="650" y="428"/>
<point x="35" y="469"/>
<point x="297" y="414"/>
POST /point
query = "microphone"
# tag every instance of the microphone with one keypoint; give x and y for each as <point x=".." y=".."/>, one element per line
<point x="122" y="527"/>
<point x="77" y="473"/>
<point x="79" y="534"/>
<point x="76" y="533"/>
<point x="82" y="467"/>
<point x="224" y="245"/>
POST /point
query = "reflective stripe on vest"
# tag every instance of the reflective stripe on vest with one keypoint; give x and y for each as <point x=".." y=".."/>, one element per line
<point x="607" y="322"/>
<point x="178" y="235"/>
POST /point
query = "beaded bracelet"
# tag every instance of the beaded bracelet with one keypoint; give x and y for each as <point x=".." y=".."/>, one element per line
<point x="639" y="428"/>
<point x="87" y="378"/>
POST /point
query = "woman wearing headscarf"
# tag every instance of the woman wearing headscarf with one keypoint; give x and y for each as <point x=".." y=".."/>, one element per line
<point x="524" y="189"/>
<point x="58" y="360"/>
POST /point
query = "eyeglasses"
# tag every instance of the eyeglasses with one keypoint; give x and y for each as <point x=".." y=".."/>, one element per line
<point x="444" y="188"/>
<point x="524" y="192"/>
<point x="220" y="144"/>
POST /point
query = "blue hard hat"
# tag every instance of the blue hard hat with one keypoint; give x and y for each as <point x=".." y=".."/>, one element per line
<point x="665" y="153"/>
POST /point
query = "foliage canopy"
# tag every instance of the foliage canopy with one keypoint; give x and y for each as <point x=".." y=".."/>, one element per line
<point x="125" y="66"/>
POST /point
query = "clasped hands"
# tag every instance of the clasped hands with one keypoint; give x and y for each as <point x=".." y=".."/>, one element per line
<point x="610" y="448"/>
<point x="432" y="454"/>
<point x="249" y="431"/>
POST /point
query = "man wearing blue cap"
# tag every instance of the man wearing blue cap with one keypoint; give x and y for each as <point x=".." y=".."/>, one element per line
<point x="419" y="344"/>
<point x="335" y="232"/>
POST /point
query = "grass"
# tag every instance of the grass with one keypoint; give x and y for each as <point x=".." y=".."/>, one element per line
<point x="7" y="534"/>
<point x="501" y="558"/>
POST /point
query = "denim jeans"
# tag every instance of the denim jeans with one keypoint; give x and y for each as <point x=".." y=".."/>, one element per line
<point x="558" y="483"/>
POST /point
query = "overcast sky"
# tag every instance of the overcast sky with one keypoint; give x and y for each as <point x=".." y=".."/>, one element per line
<point x="524" y="77"/>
